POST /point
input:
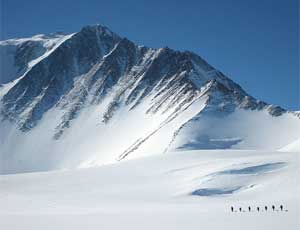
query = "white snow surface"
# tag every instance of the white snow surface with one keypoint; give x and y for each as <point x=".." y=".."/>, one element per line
<point x="245" y="129"/>
<point x="88" y="142"/>
<point x="292" y="147"/>
<point x="156" y="192"/>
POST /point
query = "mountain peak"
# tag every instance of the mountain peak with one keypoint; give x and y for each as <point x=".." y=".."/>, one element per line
<point x="100" y="29"/>
<point x="93" y="85"/>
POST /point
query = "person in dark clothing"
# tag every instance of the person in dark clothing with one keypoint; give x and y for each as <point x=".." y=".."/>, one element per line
<point x="231" y="209"/>
<point x="257" y="209"/>
<point x="240" y="209"/>
<point x="273" y="207"/>
<point x="266" y="208"/>
<point x="249" y="208"/>
<point x="281" y="207"/>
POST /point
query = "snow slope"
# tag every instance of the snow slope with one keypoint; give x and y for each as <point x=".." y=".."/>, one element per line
<point x="180" y="190"/>
<point x="292" y="147"/>
<point x="94" y="98"/>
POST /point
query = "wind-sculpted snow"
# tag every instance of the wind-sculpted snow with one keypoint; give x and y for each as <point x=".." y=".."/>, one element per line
<point x="95" y="98"/>
<point x="214" y="191"/>
<point x="257" y="169"/>
<point x="234" y="180"/>
<point x="155" y="193"/>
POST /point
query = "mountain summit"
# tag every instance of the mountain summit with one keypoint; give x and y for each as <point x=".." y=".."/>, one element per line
<point x="93" y="97"/>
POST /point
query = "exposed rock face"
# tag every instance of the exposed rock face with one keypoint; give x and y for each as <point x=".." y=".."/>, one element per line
<point x="95" y="68"/>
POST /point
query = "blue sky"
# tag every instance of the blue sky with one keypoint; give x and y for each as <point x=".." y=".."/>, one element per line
<point x="254" y="42"/>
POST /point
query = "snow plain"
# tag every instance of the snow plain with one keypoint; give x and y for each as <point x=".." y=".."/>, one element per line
<point x="179" y="190"/>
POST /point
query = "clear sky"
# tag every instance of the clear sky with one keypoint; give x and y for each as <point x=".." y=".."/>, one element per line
<point x="254" y="42"/>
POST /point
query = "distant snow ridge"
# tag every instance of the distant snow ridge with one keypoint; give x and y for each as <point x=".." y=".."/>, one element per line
<point x="93" y="97"/>
<point x="292" y="147"/>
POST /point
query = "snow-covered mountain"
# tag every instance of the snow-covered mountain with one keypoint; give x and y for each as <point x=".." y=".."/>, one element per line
<point x="93" y="97"/>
